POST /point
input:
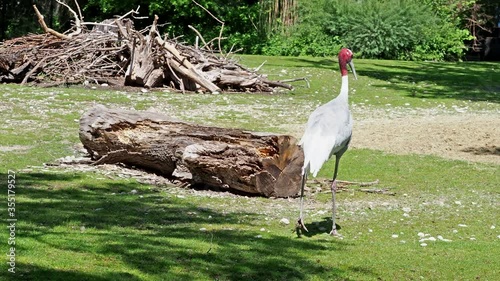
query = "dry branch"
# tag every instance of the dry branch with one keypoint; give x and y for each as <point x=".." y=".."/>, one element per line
<point x="46" y="28"/>
<point x="218" y="20"/>
<point x="78" y="21"/>
<point x="384" y="191"/>
<point x="370" y="183"/>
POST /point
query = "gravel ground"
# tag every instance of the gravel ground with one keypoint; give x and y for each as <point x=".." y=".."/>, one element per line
<point x="457" y="132"/>
<point x="462" y="136"/>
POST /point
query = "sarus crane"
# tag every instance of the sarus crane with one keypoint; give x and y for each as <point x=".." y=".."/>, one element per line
<point x="328" y="132"/>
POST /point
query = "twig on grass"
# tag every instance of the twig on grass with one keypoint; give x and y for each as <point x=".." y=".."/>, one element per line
<point x="379" y="191"/>
<point x="359" y="183"/>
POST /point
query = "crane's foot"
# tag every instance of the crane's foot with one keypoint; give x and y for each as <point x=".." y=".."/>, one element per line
<point x="300" y="224"/>
<point x="335" y="233"/>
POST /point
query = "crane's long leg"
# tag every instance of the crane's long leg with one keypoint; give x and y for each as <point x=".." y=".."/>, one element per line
<point x="301" y="218"/>
<point x="334" y="191"/>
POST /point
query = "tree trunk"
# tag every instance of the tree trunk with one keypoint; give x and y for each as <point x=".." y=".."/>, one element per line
<point x="251" y="162"/>
<point x="277" y="16"/>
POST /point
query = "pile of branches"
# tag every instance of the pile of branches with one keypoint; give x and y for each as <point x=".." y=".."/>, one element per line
<point x="113" y="52"/>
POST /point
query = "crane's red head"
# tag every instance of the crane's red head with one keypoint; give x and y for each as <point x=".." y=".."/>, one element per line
<point x="345" y="58"/>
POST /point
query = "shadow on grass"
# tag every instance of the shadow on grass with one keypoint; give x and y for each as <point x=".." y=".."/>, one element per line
<point x="30" y="272"/>
<point x="153" y="237"/>
<point x="318" y="228"/>
<point x="309" y="62"/>
<point x="463" y="81"/>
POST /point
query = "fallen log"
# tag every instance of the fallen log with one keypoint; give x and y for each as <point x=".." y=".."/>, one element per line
<point x="250" y="162"/>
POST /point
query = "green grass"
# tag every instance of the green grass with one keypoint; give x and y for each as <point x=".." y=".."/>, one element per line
<point x="90" y="226"/>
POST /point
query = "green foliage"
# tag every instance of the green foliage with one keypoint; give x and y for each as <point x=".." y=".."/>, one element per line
<point x="390" y="29"/>
<point x="315" y="43"/>
<point x="384" y="29"/>
<point x="399" y="29"/>
<point x="445" y="41"/>
<point x="17" y="18"/>
<point x="445" y="44"/>
<point x="309" y="37"/>
<point x="238" y="17"/>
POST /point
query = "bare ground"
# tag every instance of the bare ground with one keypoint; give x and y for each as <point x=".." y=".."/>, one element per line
<point x="462" y="136"/>
<point x="456" y="132"/>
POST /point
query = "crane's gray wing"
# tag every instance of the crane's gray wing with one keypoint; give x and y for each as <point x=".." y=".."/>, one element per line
<point x="328" y="130"/>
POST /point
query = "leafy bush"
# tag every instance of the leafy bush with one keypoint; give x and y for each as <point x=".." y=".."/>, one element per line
<point x="301" y="43"/>
<point x="309" y="37"/>
<point x="400" y="29"/>
<point x="444" y="42"/>
<point x="384" y="29"/>
<point x="388" y="29"/>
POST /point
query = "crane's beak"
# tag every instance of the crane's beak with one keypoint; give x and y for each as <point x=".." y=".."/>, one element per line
<point x="351" y="65"/>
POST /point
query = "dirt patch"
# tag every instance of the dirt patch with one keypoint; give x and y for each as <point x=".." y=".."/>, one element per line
<point x="465" y="136"/>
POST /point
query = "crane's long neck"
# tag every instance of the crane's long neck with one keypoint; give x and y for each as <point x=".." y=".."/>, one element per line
<point x="344" y="89"/>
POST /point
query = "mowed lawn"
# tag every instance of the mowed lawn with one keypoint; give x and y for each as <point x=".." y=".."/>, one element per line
<point x="443" y="223"/>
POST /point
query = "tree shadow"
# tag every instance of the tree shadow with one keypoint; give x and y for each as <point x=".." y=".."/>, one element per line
<point x="476" y="81"/>
<point x="483" y="150"/>
<point x="462" y="81"/>
<point x="30" y="272"/>
<point x="308" y="62"/>
<point x="156" y="234"/>
<point x="324" y="63"/>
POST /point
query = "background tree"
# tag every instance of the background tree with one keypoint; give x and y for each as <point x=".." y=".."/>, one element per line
<point x="240" y="18"/>
<point x="277" y="15"/>
<point x="17" y="17"/>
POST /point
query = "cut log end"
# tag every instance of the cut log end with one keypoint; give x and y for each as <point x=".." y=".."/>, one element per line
<point x="255" y="163"/>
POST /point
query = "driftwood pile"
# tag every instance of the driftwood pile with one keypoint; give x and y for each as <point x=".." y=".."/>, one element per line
<point x="113" y="52"/>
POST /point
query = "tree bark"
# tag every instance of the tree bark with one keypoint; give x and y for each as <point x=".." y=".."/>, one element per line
<point x="251" y="162"/>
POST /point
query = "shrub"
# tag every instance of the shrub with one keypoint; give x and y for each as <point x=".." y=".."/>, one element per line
<point x="388" y="29"/>
<point x="399" y="29"/>
<point x="301" y="43"/>
<point x="444" y="42"/>
<point x="385" y="29"/>
<point x="308" y="37"/>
